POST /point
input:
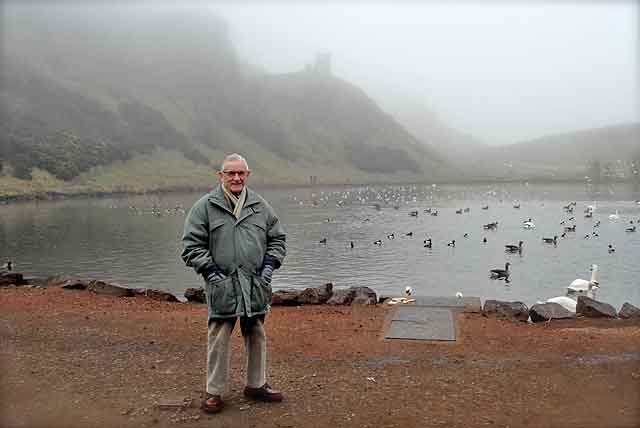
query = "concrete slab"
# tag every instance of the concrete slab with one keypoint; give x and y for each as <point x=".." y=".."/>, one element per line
<point x="465" y="304"/>
<point x="422" y="323"/>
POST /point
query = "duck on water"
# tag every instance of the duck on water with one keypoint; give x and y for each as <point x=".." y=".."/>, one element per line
<point x="514" y="248"/>
<point x="500" y="273"/>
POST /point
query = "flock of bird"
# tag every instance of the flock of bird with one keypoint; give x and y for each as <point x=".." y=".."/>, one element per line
<point x="577" y="287"/>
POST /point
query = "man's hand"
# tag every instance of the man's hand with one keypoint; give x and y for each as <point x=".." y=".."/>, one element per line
<point x="213" y="273"/>
<point x="215" y="276"/>
<point x="267" y="273"/>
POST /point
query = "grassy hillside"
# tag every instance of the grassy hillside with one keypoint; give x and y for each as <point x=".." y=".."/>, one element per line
<point x="612" y="152"/>
<point x="87" y="93"/>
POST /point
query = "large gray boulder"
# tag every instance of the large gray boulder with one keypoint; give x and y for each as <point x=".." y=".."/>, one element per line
<point x="341" y="296"/>
<point x="629" y="311"/>
<point x="285" y="297"/>
<point x="549" y="311"/>
<point x="364" y="296"/>
<point x="516" y="311"/>
<point x="67" y="281"/>
<point x="353" y="296"/>
<point x="316" y="295"/>
<point x="11" y="278"/>
<point x="101" y="287"/>
<point x="195" y="295"/>
<point x="163" y="296"/>
<point x="592" y="308"/>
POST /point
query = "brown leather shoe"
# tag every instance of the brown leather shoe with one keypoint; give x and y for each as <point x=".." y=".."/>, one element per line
<point x="212" y="404"/>
<point x="264" y="393"/>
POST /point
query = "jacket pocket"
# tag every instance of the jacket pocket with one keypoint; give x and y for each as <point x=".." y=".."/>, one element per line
<point x="260" y="294"/>
<point x="221" y="297"/>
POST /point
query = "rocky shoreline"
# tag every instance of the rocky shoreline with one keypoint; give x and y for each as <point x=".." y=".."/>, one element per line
<point x="326" y="294"/>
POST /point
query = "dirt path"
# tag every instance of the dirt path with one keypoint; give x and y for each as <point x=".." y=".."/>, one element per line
<point x="75" y="359"/>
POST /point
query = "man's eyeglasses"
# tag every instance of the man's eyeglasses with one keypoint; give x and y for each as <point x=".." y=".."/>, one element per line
<point x="230" y="174"/>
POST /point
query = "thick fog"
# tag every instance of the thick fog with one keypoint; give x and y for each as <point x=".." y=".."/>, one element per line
<point x="501" y="72"/>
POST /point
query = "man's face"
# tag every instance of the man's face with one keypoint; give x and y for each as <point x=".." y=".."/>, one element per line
<point x="234" y="175"/>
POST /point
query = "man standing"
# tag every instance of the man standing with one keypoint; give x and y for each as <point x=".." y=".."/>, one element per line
<point x="233" y="238"/>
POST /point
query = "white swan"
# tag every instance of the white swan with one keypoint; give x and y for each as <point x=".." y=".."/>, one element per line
<point x="578" y="287"/>
<point x="570" y="301"/>
<point x="566" y="302"/>
<point x="582" y="286"/>
<point x="615" y="216"/>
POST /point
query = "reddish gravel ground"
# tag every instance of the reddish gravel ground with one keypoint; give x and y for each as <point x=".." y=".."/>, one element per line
<point x="75" y="359"/>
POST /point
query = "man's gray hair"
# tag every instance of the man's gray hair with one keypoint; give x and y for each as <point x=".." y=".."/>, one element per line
<point x="234" y="157"/>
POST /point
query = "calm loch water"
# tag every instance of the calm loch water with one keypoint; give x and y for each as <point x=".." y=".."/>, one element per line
<point x="135" y="241"/>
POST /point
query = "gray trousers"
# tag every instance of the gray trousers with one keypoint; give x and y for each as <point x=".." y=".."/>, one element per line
<point x="218" y="355"/>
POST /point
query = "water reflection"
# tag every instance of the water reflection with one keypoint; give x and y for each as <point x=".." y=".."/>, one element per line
<point x="359" y="235"/>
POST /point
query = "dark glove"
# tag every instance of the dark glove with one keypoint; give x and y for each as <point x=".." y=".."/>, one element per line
<point x="267" y="273"/>
<point x="213" y="273"/>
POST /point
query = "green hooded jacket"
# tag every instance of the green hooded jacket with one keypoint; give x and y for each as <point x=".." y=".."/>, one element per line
<point x="213" y="237"/>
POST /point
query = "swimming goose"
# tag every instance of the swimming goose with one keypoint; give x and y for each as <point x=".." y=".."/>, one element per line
<point x="323" y="241"/>
<point x="459" y="211"/>
<point x="611" y="249"/>
<point x="513" y="248"/>
<point x="427" y="243"/>
<point x="553" y="240"/>
<point x="631" y="229"/>
<point x="529" y="225"/>
<point x="377" y="242"/>
<point x="500" y="273"/>
<point x="452" y="243"/>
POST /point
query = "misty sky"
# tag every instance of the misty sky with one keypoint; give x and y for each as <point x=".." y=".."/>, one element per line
<point x="498" y="71"/>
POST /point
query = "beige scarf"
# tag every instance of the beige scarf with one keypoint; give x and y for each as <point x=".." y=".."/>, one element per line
<point x="237" y="202"/>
